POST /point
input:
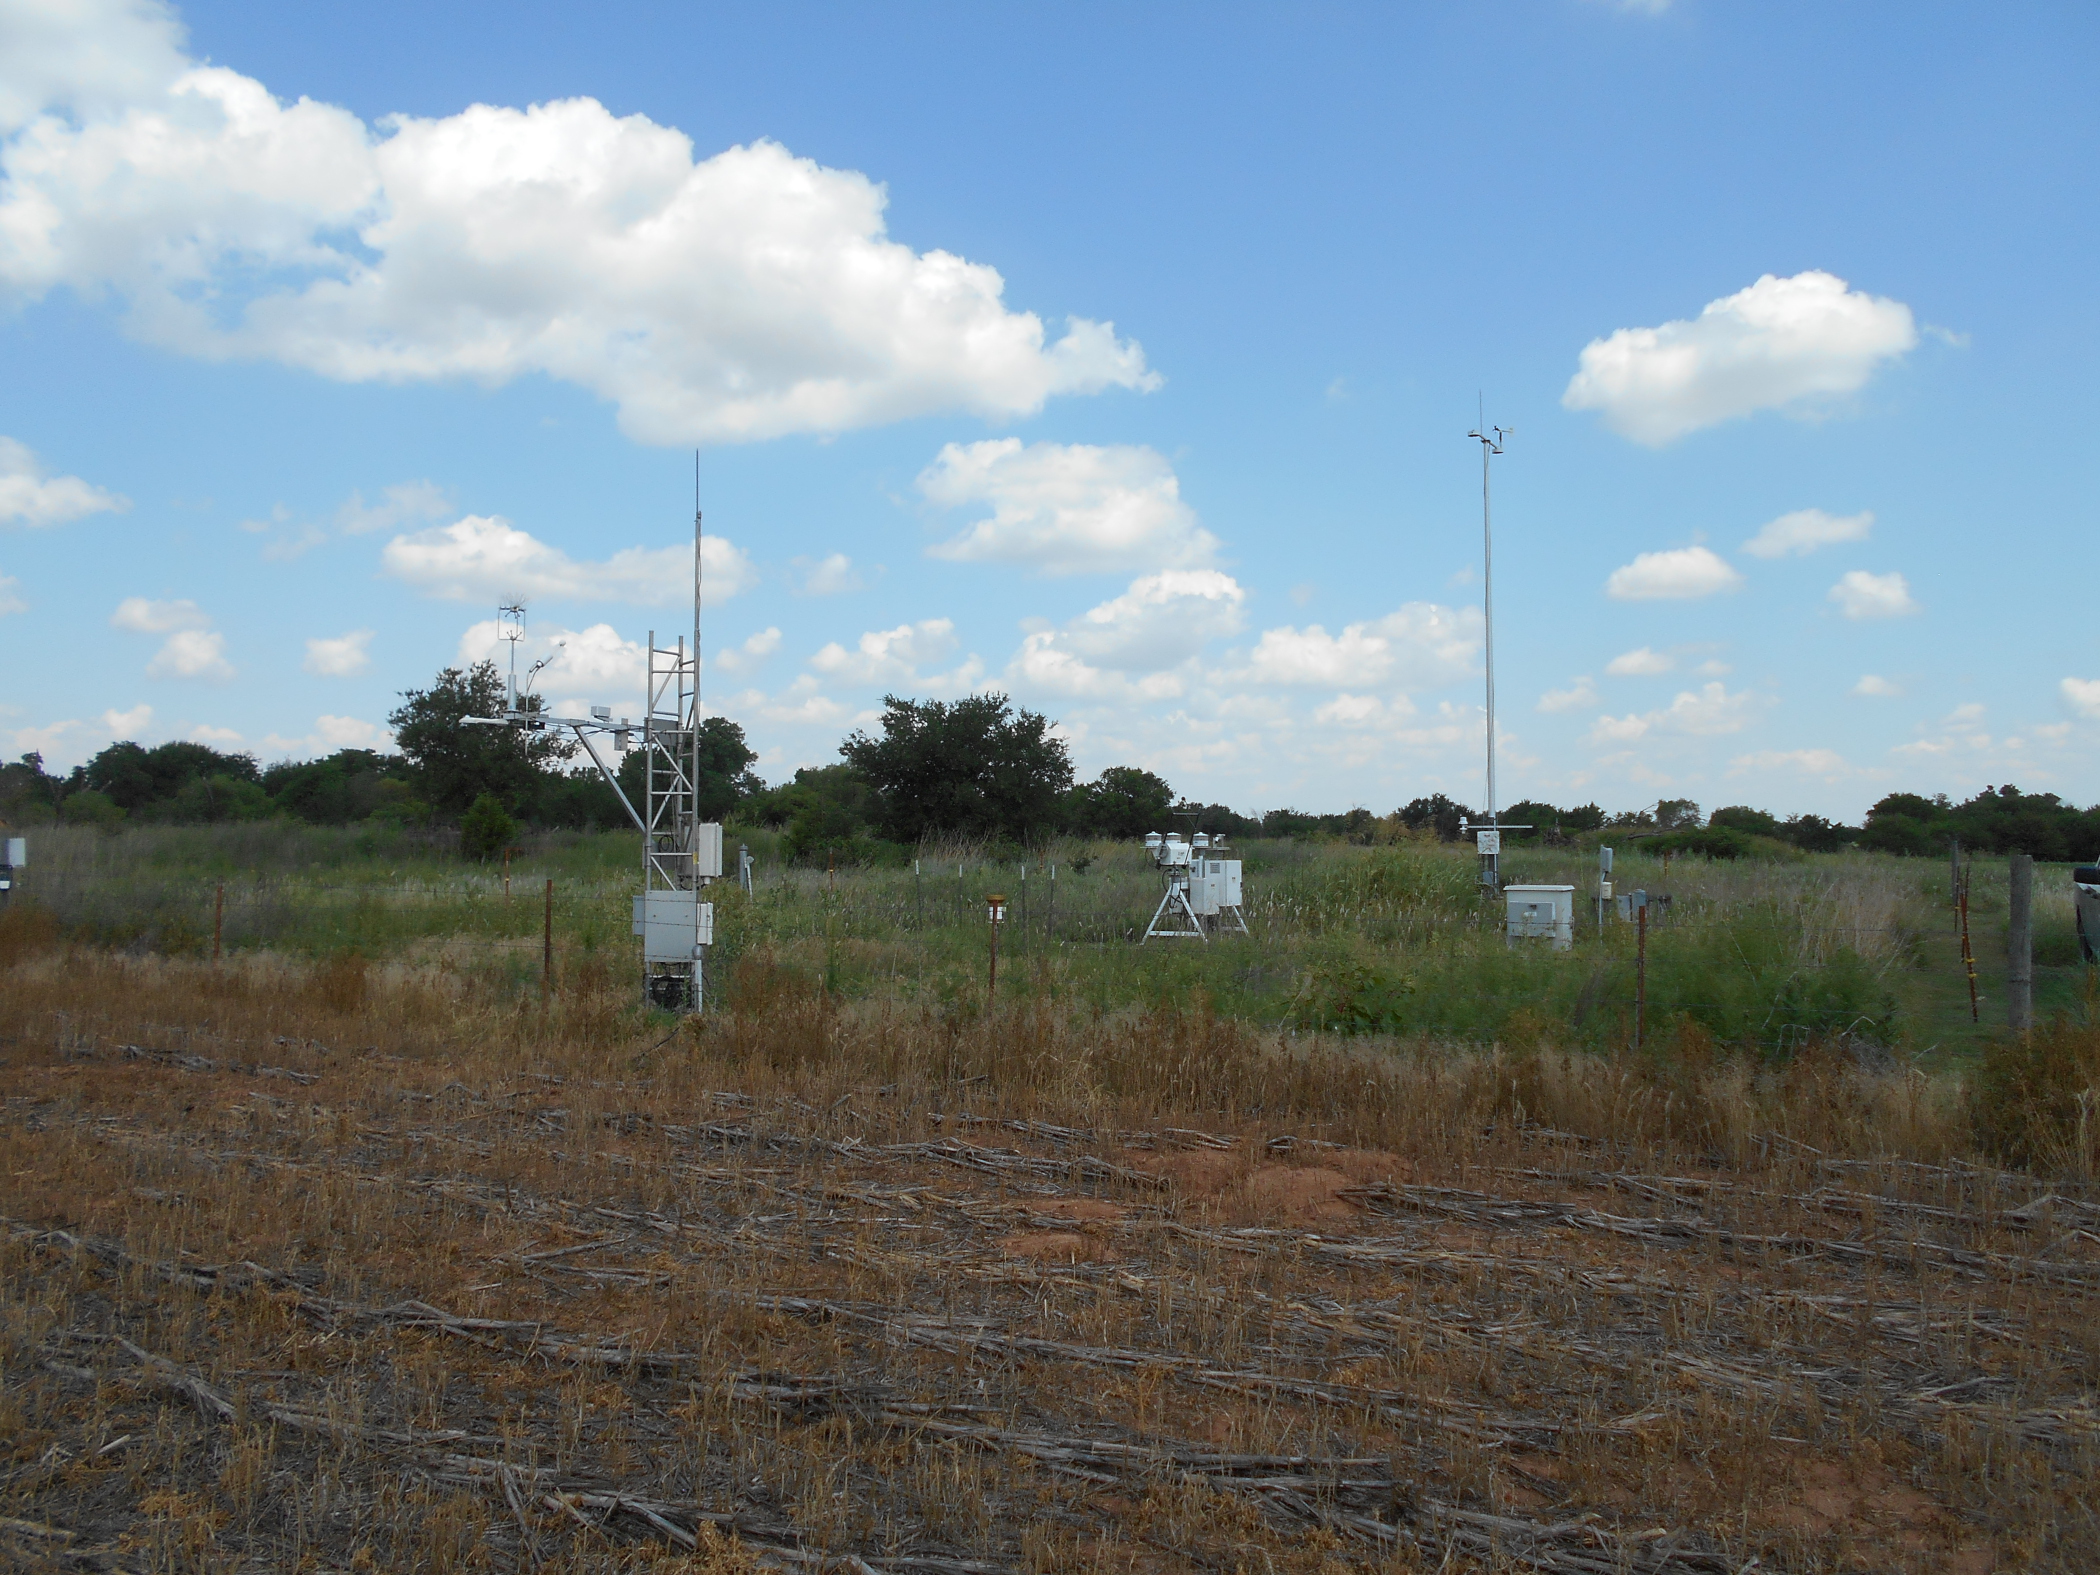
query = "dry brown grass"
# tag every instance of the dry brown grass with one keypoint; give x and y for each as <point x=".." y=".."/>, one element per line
<point x="351" y="1267"/>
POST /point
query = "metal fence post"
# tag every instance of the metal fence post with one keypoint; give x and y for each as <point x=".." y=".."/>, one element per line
<point x="1640" y="980"/>
<point x="547" y="947"/>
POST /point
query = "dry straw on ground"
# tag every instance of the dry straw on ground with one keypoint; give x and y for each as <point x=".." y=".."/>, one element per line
<point x="349" y="1268"/>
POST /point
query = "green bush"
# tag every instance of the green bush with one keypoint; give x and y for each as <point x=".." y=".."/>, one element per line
<point x="92" y="808"/>
<point x="486" y="829"/>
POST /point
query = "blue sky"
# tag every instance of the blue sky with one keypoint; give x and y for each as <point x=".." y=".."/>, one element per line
<point x="1122" y="363"/>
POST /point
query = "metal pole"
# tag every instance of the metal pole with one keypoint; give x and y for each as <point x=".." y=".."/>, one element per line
<point x="1487" y="600"/>
<point x="1640" y="980"/>
<point x="218" y="920"/>
<point x="1954" y="869"/>
<point x="547" y="946"/>
<point x="991" y="992"/>
<point x="2019" y="945"/>
<point x="1491" y="442"/>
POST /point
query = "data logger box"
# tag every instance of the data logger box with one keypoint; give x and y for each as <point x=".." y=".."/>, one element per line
<point x="1541" y="913"/>
<point x="707" y="850"/>
<point x="673" y="925"/>
<point x="1214" y="884"/>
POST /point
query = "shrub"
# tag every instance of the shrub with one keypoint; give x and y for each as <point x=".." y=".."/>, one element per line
<point x="486" y="829"/>
<point x="89" y="807"/>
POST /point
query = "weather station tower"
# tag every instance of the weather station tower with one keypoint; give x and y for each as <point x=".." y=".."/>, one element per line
<point x="681" y="853"/>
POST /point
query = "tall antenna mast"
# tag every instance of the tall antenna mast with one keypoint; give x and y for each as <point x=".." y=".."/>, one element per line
<point x="1492" y="440"/>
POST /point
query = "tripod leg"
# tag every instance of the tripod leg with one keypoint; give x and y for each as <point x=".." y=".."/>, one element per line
<point x="1196" y="924"/>
<point x="1153" y="928"/>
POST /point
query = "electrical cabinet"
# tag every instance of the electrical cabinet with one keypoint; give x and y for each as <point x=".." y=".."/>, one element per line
<point x="673" y="925"/>
<point x="1541" y="913"/>
<point x="707" y="850"/>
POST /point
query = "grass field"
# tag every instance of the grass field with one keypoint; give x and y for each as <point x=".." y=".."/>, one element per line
<point x="349" y="1252"/>
<point x="1396" y="940"/>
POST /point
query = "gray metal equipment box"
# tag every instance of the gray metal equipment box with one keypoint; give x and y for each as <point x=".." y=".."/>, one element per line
<point x="1541" y="912"/>
<point x="673" y="925"/>
<point x="1213" y="884"/>
<point x="707" y="850"/>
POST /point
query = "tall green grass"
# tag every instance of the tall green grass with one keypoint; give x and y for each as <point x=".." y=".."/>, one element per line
<point x="1765" y="955"/>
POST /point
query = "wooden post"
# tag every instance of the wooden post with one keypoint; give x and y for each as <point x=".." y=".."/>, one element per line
<point x="2019" y="944"/>
<point x="1640" y="979"/>
<point x="1968" y="956"/>
<point x="218" y="920"/>
<point x="1954" y="869"/>
<point x="547" y="947"/>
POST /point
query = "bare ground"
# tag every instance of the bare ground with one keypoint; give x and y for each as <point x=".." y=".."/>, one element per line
<point x="303" y="1269"/>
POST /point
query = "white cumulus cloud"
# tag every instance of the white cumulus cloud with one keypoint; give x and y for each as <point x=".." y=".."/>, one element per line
<point x="1800" y="533"/>
<point x="29" y="496"/>
<point x="192" y="653"/>
<point x="1681" y="574"/>
<point x="329" y="734"/>
<point x="596" y="662"/>
<point x="736" y="296"/>
<point x="193" y="648"/>
<point x="831" y="575"/>
<point x="1782" y="344"/>
<point x="339" y="656"/>
<point x="1825" y="763"/>
<point x="10" y="602"/>
<point x="1578" y="696"/>
<point x="1144" y="643"/>
<point x="142" y="615"/>
<point x="742" y="658"/>
<point x="1422" y="643"/>
<point x="407" y="503"/>
<point x="1067" y="508"/>
<point x="1872" y="686"/>
<point x="1640" y="663"/>
<point x="2083" y="696"/>
<point x="1704" y="712"/>
<point x="889" y="656"/>
<point x="1863" y="595"/>
<point x="486" y="558"/>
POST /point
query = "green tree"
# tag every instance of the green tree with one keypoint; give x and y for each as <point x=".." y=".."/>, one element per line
<point x="453" y="763"/>
<point x="486" y="829"/>
<point x="726" y="778"/>
<point x="1434" y="813"/>
<point x="1124" y="801"/>
<point x="974" y="765"/>
<point x="1677" y="814"/>
<point x="1741" y="817"/>
<point x="90" y="807"/>
<point x="145" y="782"/>
<point x="335" y="790"/>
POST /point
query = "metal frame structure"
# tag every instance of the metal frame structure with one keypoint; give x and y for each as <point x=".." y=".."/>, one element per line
<point x="681" y="854"/>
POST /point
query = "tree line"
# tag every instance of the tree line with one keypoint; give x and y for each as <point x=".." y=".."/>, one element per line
<point x="977" y="767"/>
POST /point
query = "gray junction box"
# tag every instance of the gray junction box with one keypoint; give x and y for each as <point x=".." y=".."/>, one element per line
<point x="1213" y="884"/>
<point x="673" y="925"/>
<point x="1541" y="913"/>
